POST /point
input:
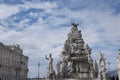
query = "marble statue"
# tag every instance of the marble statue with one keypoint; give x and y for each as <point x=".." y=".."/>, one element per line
<point x="66" y="46"/>
<point x="58" y="67"/>
<point x="102" y="66"/>
<point x="90" y="59"/>
<point x="50" y="66"/>
<point x="102" y="62"/>
<point x="95" y="69"/>
<point x="74" y="28"/>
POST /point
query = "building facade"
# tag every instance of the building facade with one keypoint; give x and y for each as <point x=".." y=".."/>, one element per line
<point x="13" y="64"/>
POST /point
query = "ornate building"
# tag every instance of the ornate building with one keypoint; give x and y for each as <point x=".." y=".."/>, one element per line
<point x="13" y="64"/>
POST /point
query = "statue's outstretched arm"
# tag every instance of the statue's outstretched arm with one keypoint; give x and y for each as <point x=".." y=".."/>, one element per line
<point x="46" y="57"/>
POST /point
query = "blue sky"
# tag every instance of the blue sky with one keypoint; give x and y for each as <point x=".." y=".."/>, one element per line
<point x="41" y="27"/>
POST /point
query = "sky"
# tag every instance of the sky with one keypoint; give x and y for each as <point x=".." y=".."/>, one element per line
<point x="40" y="27"/>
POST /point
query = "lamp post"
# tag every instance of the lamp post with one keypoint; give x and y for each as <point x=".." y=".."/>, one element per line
<point x="109" y="65"/>
<point x="38" y="70"/>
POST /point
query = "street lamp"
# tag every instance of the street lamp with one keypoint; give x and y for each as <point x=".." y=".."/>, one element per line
<point x="109" y="65"/>
<point x="38" y="70"/>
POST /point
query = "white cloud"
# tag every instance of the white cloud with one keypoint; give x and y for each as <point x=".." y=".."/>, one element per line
<point x="7" y="10"/>
<point x="47" y="6"/>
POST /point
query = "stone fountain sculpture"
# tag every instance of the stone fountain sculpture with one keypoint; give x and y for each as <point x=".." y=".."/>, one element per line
<point x="76" y="61"/>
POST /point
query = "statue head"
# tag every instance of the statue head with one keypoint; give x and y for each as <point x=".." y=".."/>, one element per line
<point x="101" y="54"/>
<point x="85" y="46"/>
<point x="74" y="27"/>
